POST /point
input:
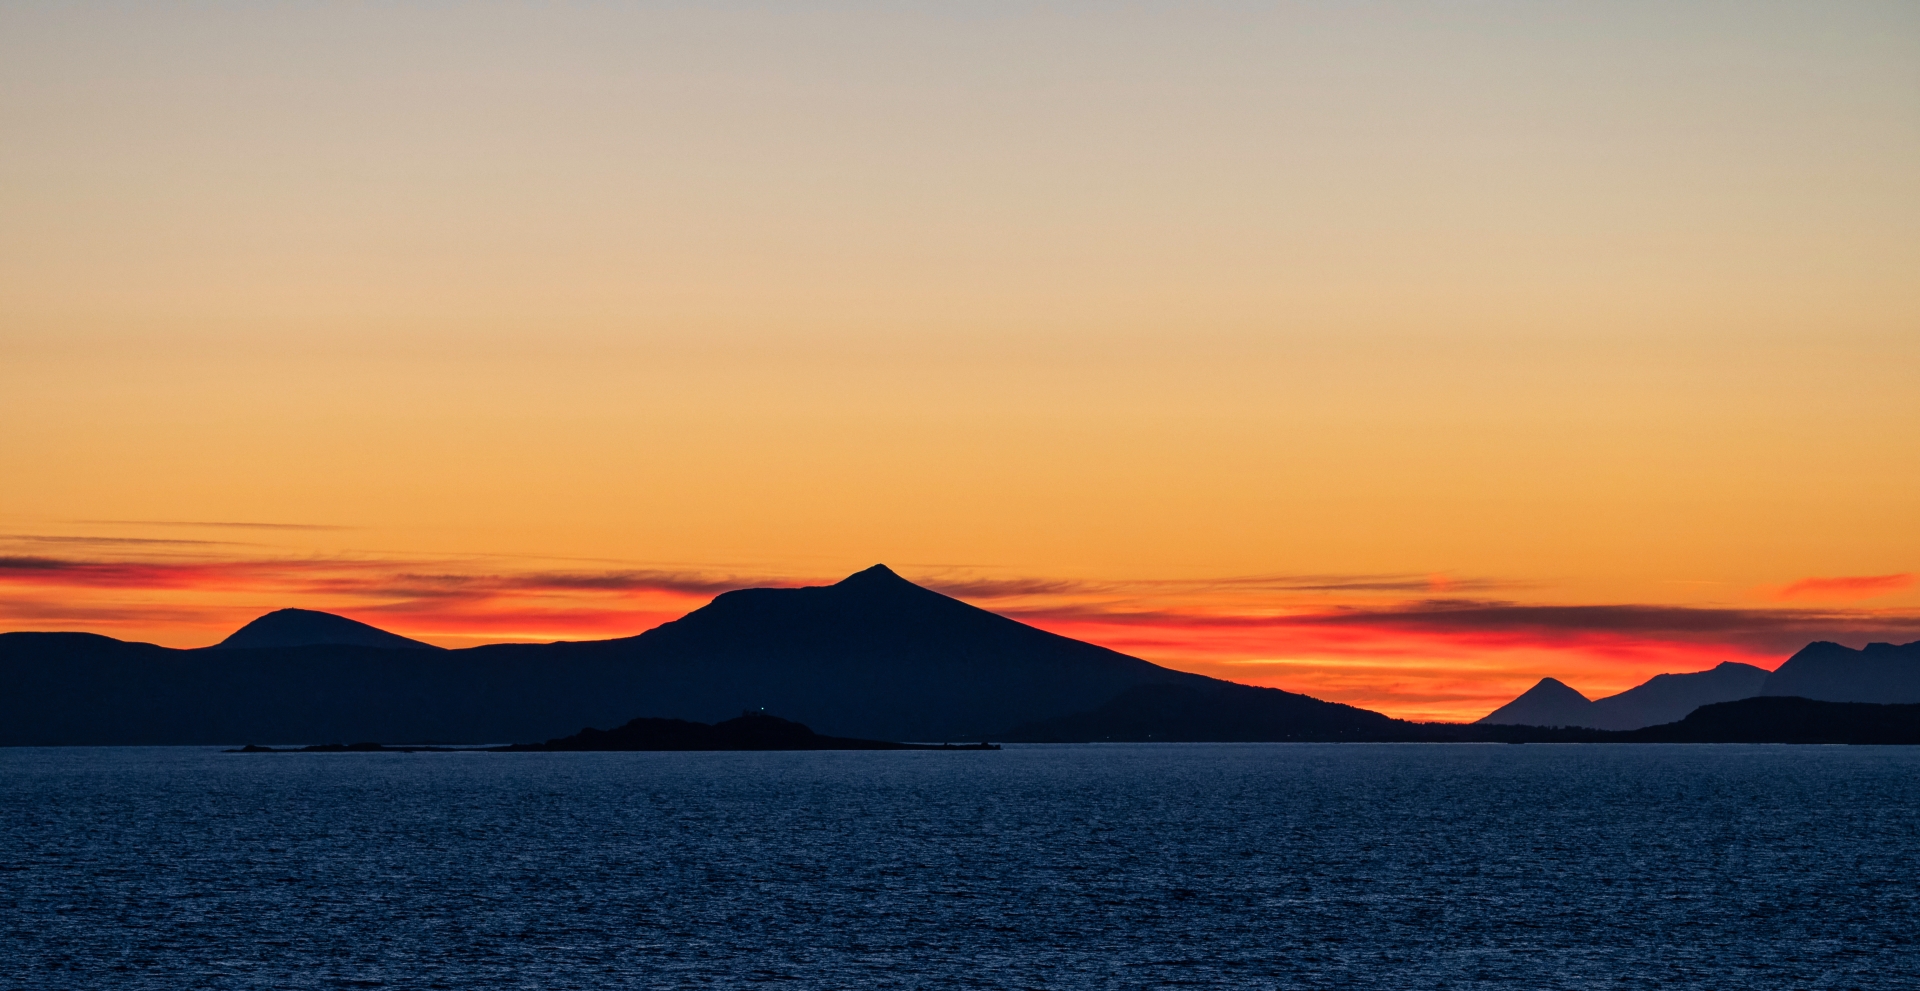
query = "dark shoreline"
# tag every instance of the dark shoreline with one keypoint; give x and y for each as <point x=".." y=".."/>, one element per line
<point x="1763" y="719"/>
<point x="750" y="731"/>
<point x="522" y="748"/>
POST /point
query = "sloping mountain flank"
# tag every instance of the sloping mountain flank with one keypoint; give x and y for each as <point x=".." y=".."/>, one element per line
<point x="306" y="628"/>
<point x="1221" y="712"/>
<point x="1667" y="698"/>
<point x="1883" y="672"/>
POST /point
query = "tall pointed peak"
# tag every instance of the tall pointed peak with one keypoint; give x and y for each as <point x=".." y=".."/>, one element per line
<point x="1550" y="702"/>
<point x="306" y="628"/>
<point x="875" y="577"/>
<point x="1553" y="688"/>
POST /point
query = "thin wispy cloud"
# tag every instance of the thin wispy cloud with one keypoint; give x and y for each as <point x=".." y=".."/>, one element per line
<point x="227" y="524"/>
<point x="386" y="579"/>
<point x="1846" y="588"/>
<point x="39" y="538"/>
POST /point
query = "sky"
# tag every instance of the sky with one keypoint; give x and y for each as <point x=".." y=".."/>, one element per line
<point x="1397" y="353"/>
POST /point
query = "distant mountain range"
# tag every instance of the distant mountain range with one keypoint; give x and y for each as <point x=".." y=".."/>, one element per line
<point x="873" y="657"/>
<point x="1663" y="699"/>
<point x="1881" y="673"/>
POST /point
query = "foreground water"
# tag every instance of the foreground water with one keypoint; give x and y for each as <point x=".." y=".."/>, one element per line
<point x="1056" y="867"/>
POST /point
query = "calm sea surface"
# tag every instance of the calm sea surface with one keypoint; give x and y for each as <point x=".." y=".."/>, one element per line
<point x="1366" y="866"/>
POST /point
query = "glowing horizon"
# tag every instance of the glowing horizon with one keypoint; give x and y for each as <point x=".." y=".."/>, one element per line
<point x="1492" y="341"/>
<point x="1414" y="646"/>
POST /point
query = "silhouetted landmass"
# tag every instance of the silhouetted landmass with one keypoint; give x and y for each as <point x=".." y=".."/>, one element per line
<point x="1209" y="715"/>
<point x="1667" y="697"/>
<point x="1661" y="699"/>
<point x="1761" y="719"/>
<point x="748" y="731"/>
<point x="306" y="628"/>
<point x="1221" y="712"/>
<point x="1777" y="719"/>
<point x="1823" y="671"/>
<point x="872" y="657"/>
<point x="1883" y="672"/>
<point x="1550" y="702"/>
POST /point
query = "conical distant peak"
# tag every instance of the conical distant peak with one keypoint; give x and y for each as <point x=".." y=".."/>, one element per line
<point x="875" y="577"/>
<point x="1554" y="687"/>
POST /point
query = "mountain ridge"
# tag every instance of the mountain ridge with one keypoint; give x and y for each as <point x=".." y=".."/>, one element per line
<point x="1660" y="699"/>
<point x="872" y="657"/>
<point x="310" y="628"/>
<point x="1881" y="673"/>
<point x="1550" y="702"/>
<point x="1878" y="672"/>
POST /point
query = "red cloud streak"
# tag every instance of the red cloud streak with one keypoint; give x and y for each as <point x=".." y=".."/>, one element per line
<point x="1846" y="588"/>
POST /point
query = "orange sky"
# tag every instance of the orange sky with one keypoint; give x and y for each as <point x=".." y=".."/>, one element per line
<point x="1398" y="354"/>
<point x="1419" y="646"/>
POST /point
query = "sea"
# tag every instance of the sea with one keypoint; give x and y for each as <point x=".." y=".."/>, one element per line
<point x="1106" y="866"/>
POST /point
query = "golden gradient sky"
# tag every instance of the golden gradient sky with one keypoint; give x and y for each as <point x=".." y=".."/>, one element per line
<point x="1397" y="353"/>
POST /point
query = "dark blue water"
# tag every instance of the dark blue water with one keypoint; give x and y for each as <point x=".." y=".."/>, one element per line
<point x="1055" y="867"/>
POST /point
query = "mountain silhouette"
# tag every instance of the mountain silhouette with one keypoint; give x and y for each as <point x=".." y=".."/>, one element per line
<point x="1663" y="698"/>
<point x="1548" y="703"/>
<point x="1759" y="719"/>
<point x="1882" y="672"/>
<point x="872" y="657"/>
<point x="305" y="628"/>
<point x="1822" y="671"/>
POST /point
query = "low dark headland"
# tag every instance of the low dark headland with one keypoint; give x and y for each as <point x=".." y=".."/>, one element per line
<point x="1241" y="714"/>
<point x="749" y="731"/>
<point x="1777" y="719"/>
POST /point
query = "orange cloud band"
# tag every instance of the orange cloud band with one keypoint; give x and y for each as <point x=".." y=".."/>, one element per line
<point x="1846" y="588"/>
